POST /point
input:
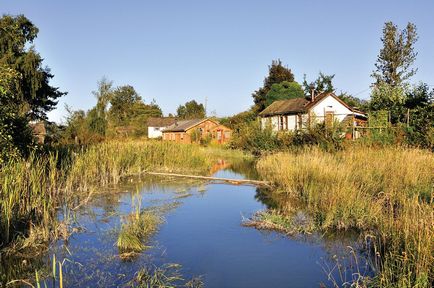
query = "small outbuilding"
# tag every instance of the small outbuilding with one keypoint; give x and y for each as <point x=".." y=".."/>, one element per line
<point x="157" y="124"/>
<point x="197" y="130"/>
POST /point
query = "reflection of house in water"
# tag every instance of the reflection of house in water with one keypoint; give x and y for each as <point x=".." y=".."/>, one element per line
<point x="196" y="130"/>
<point x="39" y="131"/>
<point x="219" y="165"/>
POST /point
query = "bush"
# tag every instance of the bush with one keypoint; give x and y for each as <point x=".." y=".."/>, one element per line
<point x="249" y="136"/>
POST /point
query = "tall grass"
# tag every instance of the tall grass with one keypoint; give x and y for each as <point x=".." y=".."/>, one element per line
<point x="31" y="189"/>
<point x="387" y="194"/>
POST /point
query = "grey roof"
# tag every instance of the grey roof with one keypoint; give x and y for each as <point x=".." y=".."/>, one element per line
<point x="183" y="125"/>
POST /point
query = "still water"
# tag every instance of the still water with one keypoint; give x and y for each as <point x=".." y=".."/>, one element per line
<point x="202" y="231"/>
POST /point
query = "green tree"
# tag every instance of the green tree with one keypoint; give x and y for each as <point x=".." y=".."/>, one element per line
<point x="353" y="101"/>
<point x="97" y="116"/>
<point x="284" y="90"/>
<point x="322" y="84"/>
<point x="191" y="110"/>
<point x="277" y="73"/>
<point x="397" y="55"/>
<point x="419" y="96"/>
<point x="36" y="96"/>
<point x="25" y="92"/>
<point x="15" y="134"/>
<point x="122" y="103"/>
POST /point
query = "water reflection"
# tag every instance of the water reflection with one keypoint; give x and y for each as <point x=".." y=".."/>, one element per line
<point x="202" y="232"/>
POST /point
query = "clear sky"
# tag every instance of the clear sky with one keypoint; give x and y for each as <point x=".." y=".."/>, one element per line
<point x="175" y="51"/>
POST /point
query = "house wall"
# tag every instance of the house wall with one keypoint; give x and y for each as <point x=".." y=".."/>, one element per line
<point x="219" y="133"/>
<point x="329" y="104"/>
<point x="290" y="122"/>
<point x="155" y="132"/>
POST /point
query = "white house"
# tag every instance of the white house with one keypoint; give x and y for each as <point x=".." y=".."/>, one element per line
<point x="299" y="113"/>
<point x="157" y="124"/>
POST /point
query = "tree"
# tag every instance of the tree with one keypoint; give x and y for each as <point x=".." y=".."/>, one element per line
<point x="397" y="55"/>
<point x="277" y="73"/>
<point x="122" y="103"/>
<point x="37" y="97"/>
<point x="353" y="101"/>
<point x="284" y="90"/>
<point x="191" y="110"/>
<point x="419" y="96"/>
<point x="15" y="134"/>
<point x="322" y="84"/>
<point x="97" y="118"/>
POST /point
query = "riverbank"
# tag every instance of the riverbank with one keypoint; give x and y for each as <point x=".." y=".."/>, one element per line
<point x="31" y="190"/>
<point x="386" y="194"/>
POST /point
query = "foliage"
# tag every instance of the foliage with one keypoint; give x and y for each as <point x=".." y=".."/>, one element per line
<point x="394" y="62"/>
<point x="240" y="118"/>
<point x="125" y="116"/>
<point x="322" y="84"/>
<point x="277" y="73"/>
<point x="284" y="90"/>
<point x="25" y="92"/>
<point x="357" y="189"/>
<point x="36" y="95"/>
<point x="354" y="102"/>
<point x="122" y="102"/>
<point x="419" y="96"/>
<point x="387" y="97"/>
<point x="15" y="134"/>
<point x="191" y="110"/>
<point x="251" y="137"/>
<point x="420" y="130"/>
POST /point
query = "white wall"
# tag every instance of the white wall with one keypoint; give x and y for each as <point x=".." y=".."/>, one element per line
<point x="155" y="132"/>
<point x="274" y="121"/>
<point x="330" y="104"/>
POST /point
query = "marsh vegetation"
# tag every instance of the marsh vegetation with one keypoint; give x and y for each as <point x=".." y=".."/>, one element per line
<point x="386" y="194"/>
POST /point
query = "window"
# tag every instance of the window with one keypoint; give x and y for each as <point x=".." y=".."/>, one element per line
<point x="227" y="134"/>
<point x="282" y="123"/>
<point x="182" y="136"/>
<point x="156" y="128"/>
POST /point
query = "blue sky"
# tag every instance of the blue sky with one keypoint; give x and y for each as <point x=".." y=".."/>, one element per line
<point x="175" y="51"/>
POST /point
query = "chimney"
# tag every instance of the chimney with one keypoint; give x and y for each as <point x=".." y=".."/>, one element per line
<point x="312" y="95"/>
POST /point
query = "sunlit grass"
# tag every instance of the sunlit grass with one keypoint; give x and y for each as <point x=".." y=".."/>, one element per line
<point x="387" y="194"/>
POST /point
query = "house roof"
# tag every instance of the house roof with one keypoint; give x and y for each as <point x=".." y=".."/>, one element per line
<point x="184" y="125"/>
<point x="301" y="105"/>
<point x="296" y="105"/>
<point x="160" y="121"/>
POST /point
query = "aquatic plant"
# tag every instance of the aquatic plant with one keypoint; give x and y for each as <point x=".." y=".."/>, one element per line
<point x="166" y="276"/>
<point x="387" y="194"/>
<point x="137" y="229"/>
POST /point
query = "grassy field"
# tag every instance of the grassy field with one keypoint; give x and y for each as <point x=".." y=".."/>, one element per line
<point x="386" y="194"/>
<point x="32" y="189"/>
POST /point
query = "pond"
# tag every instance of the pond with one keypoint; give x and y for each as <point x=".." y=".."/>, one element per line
<point x="202" y="231"/>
